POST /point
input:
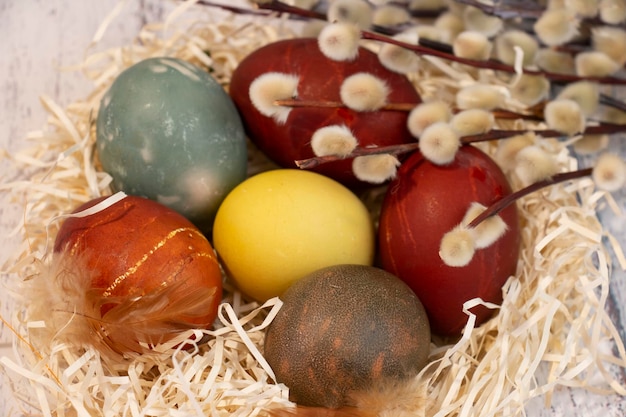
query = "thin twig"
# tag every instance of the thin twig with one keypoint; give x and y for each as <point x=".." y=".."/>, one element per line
<point x="494" y="134"/>
<point x="389" y="150"/>
<point x="509" y="199"/>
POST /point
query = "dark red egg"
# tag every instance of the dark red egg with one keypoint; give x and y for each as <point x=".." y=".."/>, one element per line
<point x="320" y="79"/>
<point x="424" y="202"/>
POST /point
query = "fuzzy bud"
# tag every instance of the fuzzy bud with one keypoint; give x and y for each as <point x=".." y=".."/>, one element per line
<point x="480" y="96"/>
<point x="339" y="41"/>
<point x="472" y="45"/>
<point x="272" y="86"/>
<point x="533" y="164"/>
<point x="611" y="41"/>
<point x="590" y="144"/>
<point x="398" y="59"/>
<point x="530" y="89"/>
<point x="429" y="32"/>
<point x="426" y="114"/>
<point x="595" y="64"/>
<point x="472" y="122"/>
<point x="613" y="115"/>
<point x="457" y="247"/>
<point x="556" y="26"/>
<point x="364" y="92"/>
<point x="507" y="41"/>
<point x="375" y="169"/>
<point x="439" y="143"/>
<point x="333" y="140"/>
<point x="555" y="61"/>
<point x="585" y="93"/>
<point x="487" y="231"/>
<point x="450" y="24"/>
<point x="476" y="20"/>
<point x="390" y="15"/>
<point x="612" y="12"/>
<point x="609" y="174"/>
<point x="508" y="149"/>
<point x="565" y="116"/>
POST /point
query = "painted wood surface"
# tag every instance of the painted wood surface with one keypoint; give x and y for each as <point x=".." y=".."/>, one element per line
<point x="39" y="38"/>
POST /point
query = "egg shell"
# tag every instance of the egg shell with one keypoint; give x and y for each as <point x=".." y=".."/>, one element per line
<point x="280" y="225"/>
<point x="137" y="246"/>
<point x="423" y="203"/>
<point x="346" y="328"/>
<point x="320" y="79"/>
<point x="166" y="130"/>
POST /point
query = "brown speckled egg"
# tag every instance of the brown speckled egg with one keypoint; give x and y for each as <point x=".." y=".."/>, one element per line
<point x="342" y="329"/>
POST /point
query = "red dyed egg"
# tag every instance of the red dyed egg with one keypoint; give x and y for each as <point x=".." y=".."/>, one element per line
<point x="320" y="79"/>
<point x="423" y="203"/>
<point x="137" y="248"/>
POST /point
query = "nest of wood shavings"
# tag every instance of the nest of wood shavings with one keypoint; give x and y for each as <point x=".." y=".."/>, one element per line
<point x="551" y="329"/>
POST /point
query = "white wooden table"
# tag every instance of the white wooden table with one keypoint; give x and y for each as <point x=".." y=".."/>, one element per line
<point x="38" y="37"/>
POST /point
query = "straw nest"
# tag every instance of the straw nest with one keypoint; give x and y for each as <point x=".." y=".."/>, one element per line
<point x="551" y="330"/>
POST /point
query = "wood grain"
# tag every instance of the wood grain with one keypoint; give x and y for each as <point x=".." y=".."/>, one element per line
<point x="40" y="37"/>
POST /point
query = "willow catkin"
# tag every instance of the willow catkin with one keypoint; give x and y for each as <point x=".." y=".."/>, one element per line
<point x="272" y="86"/>
<point x="364" y="92"/>
<point x="333" y="140"/>
<point x="609" y="172"/>
<point x="375" y="169"/>
<point x="426" y="114"/>
<point x="339" y="41"/>
<point x="439" y="143"/>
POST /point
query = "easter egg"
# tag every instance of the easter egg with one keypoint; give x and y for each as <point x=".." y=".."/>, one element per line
<point x="319" y="79"/>
<point x="152" y="273"/>
<point x="344" y="329"/>
<point x="166" y="130"/>
<point x="425" y="202"/>
<point x="280" y="225"/>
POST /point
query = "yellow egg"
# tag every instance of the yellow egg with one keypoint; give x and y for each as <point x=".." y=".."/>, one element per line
<point x="278" y="226"/>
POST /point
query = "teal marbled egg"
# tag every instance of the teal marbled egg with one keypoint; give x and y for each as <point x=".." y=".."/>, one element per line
<point x="168" y="131"/>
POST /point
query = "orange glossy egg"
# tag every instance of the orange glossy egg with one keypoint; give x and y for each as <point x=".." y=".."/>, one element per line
<point x="138" y="248"/>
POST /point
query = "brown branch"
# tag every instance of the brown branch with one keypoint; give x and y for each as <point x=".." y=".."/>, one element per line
<point x="295" y="102"/>
<point x="506" y="201"/>
<point x="404" y="107"/>
<point x="489" y="64"/>
<point x="495" y="134"/>
<point x="426" y="50"/>
<point x="389" y="150"/>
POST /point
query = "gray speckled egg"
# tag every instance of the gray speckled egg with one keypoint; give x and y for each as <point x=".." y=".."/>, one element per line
<point x="166" y="130"/>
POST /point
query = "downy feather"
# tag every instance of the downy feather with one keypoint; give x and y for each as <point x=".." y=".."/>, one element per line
<point x="61" y="296"/>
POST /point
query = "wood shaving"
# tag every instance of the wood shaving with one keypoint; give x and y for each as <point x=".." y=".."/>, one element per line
<point x="551" y="329"/>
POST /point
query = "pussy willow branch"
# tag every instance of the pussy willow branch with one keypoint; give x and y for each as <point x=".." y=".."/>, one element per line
<point x="278" y="6"/>
<point x="388" y="150"/>
<point x="494" y="134"/>
<point x="489" y="64"/>
<point x="535" y="114"/>
<point x="506" y="201"/>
